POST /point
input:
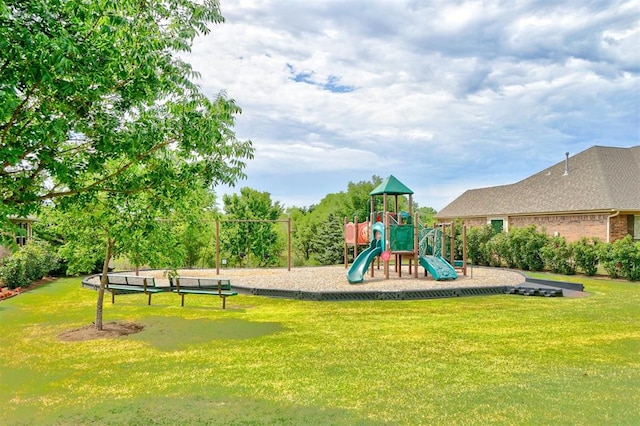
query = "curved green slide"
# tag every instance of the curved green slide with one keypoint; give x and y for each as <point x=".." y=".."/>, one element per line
<point x="438" y="267"/>
<point x="362" y="262"/>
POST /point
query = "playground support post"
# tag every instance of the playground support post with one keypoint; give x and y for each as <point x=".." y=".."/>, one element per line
<point x="452" y="241"/>
<point x="356" y="242"/>
<point x="357" y="234"/>
<point x="443" y="241"/>
<point x="416" y="245"/>
<point x="345" y="252"/>
<point x="464" y="250"/>
<point x="385" y="245"/>
<point x="218" y="247"/>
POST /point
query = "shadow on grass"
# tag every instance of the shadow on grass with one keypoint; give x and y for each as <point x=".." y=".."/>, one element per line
<point x="170" y="334"/>
<point x="209" y="409"/>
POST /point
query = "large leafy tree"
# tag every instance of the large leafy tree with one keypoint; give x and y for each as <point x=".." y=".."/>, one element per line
<point x="143" y="227"/>
<point x="357" y="201"/>
<point x="90" y="89"/>
<point x="251" y="228"/>
<point x="302" y="233"/>
<point x="99" y="115"/>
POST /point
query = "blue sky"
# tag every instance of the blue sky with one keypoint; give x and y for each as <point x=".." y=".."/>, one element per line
<point x="444" y="95"/>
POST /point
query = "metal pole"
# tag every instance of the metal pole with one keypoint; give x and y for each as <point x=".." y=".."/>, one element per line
<point x="218" y="247"/>
<point x="452" y="241"/>
<point x="464" y="250"/>
<point x="289" y="243"/>
<point x="346" y="246"/>
<point x="416" y="245"/>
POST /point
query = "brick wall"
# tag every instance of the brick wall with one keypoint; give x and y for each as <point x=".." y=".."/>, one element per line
<point x="476" y="222"/>
<point x="473" y="222"/>
<point x="571" y="227"/>
<point x="619" y="227"/>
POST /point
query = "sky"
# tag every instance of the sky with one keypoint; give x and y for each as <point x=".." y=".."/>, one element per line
<point x="444" y="95"/>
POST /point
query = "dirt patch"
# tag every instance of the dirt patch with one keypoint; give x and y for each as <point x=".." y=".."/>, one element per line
<point x="109" y="330"/>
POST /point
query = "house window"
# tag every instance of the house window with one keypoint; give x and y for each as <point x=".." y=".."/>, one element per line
<point x="497" y="225"/>
<point x="636" y="227"/>
<point x="23" y="233"/>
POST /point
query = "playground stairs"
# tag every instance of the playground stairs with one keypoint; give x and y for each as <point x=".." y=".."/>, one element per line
<point x="545" y="288"/>
<point x="536" y="291"/>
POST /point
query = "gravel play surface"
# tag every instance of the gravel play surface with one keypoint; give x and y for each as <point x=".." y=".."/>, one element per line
<point x="333" y="278"/>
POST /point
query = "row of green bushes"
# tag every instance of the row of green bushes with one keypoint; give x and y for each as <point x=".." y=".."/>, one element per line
<point x="30" y="263"/>
<point x="531" y="249"/>
<point x="526" y="248"/>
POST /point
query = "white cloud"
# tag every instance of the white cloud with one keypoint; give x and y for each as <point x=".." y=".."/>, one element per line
<point x="444" y="95"/>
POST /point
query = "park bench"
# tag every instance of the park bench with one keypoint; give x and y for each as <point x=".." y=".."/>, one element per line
<point x="129" y="284"/>
<point x="196" y="285"/>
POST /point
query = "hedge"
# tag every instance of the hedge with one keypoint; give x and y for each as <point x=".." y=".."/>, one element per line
<point x="30" y="263"/>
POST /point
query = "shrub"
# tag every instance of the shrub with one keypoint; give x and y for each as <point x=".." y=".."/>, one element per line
<point x="28" y="264"/>
<point x="621" y="258"/>
<point x="526" y="245"/>
<point x="608" y="260"/>
<point x="458" y="225"/>
<point x="503" y="249"/>
<point x="13" y="271"/>
<point x="558" y="256"/>
<point x="585" y="254"/>
<point x="490" y="254"/>
<point x="496" y="250"/>
<point x="476" y="239"/>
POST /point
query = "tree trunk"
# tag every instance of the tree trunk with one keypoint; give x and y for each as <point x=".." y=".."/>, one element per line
<point x="103" y="285"/>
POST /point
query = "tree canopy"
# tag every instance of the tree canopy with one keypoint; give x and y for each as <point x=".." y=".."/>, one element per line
<point x="251" y="231"/>
<point x="89" y="90"/>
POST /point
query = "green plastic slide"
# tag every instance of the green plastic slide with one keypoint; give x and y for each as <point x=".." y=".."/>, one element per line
<point x="438" y="267"/>
<point x="361" y="264"/>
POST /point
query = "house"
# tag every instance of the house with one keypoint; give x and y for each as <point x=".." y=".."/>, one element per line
<point x="595" y="193"/>
<point x="23" y="235"/>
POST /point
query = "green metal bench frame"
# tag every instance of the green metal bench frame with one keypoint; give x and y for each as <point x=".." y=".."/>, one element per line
<point x="128" y="284"/>
<point x="209" y="286"/>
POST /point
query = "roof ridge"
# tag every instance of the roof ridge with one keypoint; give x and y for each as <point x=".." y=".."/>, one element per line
<point x="599" y="178"/>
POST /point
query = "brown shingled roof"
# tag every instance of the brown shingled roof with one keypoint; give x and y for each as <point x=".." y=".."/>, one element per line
<point x="600" y="178"/>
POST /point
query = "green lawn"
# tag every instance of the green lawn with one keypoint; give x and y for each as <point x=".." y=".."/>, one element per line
<point x="475" y="360"/>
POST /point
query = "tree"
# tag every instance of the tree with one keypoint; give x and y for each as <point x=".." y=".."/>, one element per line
<point x="425" y="214"/>
<point x="87" y="87"/>
<point x="357" y="202"/>
<point x="99" y="114"/>
<point x="141" y="226"/>
<point x="302" y="232"/>
<point x="251" y="231"/>
<point x="328" y="242"/>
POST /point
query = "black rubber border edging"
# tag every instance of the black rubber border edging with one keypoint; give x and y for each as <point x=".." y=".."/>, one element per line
<point x="557" y="284"/>
<point x="389" y="295"/>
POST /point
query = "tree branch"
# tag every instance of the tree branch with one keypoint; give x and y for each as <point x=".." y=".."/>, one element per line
<point x="17" y="111"/>
<point x="97" y="183"/>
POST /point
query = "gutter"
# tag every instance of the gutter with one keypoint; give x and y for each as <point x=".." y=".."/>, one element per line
<point x="609" y="224"/>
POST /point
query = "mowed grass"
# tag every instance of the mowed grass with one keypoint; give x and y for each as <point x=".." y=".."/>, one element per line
<point x="475" y="360"/>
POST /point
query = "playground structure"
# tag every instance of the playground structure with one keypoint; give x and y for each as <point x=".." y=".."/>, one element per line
<point x="390" y="233"/>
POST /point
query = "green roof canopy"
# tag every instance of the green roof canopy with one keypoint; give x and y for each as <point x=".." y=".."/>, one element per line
<point x="391" y="186"/>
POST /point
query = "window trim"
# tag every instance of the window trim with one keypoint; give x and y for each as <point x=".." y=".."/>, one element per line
<point x="505" y="223"/>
